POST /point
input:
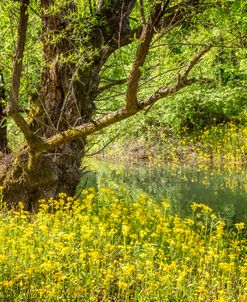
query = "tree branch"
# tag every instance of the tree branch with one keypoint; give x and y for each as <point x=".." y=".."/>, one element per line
<point x="174" y="16"/>
<point x="111" y="84"/>
<point x="141" y="54"/>
<point x="122" y="114"/>
<point x="3" y="129"/>
<point x="13" y="108"/>
<point x="182" y="81"/>
<point x="142" y="11"/>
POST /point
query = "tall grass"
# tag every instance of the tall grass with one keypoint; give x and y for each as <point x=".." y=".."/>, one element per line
<point x="108" y="247"/>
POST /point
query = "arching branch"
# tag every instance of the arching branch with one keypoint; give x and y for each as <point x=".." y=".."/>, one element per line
<point x="122" y="114"/>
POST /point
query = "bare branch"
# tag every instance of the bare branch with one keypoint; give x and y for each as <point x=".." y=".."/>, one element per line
<point x="195" y="60"/>
<point x="112" y="84"/>
<point x="102" y="148"/>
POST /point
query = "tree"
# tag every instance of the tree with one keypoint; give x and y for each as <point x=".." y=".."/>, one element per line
<point x="78" y="40"/>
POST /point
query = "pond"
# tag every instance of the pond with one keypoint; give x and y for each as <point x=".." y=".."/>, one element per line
<point x="224" y="189"/>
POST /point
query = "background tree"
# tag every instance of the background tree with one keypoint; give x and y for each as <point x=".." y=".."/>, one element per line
<point x="3" y="128"/>
<point x="81" y="42"/>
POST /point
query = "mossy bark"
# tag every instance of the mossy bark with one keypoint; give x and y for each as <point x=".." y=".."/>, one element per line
<point x="33" y="178"/>
<point x="61" y="103"/>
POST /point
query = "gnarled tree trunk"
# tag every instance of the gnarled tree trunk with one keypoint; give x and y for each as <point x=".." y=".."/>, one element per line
<point x="65" y="100"/>
<point x="60" y="115"/>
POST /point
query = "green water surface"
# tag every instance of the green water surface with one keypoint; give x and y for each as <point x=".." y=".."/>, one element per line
<point x="224" y="189"/>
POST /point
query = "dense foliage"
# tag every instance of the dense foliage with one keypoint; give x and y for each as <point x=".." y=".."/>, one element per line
<point x="219" y="96"/>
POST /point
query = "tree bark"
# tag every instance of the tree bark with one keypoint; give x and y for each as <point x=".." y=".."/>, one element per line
<point x="55" y="108"/>
<point x="3" y="128"/>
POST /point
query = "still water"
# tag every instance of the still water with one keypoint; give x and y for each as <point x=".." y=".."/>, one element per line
<point x="224" y="189"/>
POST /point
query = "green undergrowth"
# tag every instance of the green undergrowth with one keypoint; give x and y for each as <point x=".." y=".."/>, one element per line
<point x="108" y="246"/>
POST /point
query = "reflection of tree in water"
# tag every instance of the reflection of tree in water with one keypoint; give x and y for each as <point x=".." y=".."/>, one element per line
<point x="223" y="190"/>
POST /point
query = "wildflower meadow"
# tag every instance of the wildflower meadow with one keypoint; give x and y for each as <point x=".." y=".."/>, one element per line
<point x="107" y="246"/>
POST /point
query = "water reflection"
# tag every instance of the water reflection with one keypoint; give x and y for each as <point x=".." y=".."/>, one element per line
<point x="223" y="189"/>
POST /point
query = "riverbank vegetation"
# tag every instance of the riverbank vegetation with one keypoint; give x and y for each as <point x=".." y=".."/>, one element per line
<point x="224" y="144"/>
<point x="203" y="124"/>
<point x="107" y="246"/>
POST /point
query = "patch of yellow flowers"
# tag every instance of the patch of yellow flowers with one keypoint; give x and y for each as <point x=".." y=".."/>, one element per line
<point x="108" y="247"/>
<point x="220" y="144"/>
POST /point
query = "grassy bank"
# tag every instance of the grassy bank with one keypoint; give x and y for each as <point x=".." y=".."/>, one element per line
<point x="109" y="247"/>
<point x="218" y="145"/>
